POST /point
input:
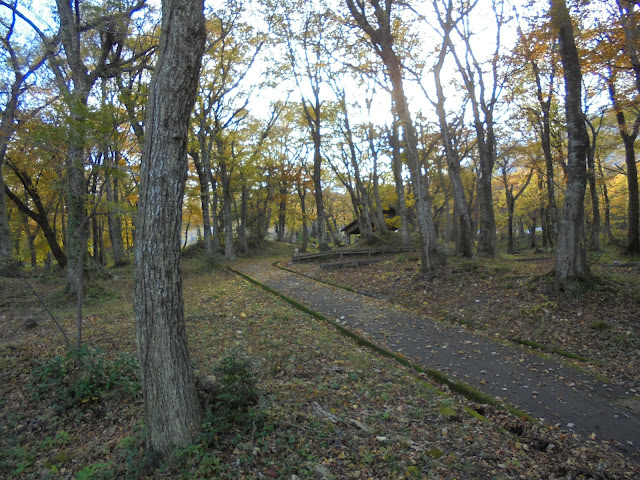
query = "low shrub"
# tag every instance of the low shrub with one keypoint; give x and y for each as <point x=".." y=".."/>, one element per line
<point x="84" y="375"/>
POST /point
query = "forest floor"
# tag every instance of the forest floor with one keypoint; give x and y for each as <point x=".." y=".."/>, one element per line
<point x="309" y="402"/>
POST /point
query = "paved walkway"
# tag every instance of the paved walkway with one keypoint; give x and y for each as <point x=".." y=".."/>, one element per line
<point x="558" y="394"/>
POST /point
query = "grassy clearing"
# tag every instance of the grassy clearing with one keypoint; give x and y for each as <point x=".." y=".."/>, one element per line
<point x="306" y="402"/>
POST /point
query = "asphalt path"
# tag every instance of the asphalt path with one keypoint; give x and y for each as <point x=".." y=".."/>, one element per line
<point x="556" y="394"/>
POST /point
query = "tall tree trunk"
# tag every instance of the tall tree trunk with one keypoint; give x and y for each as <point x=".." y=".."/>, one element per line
<point x="571" y="259"/>
<point x="203" y="180"/>
<point x="95" y="240"/>
<point x="594" y="233"/>
<point x="225" y="179"/>
<point x="215" y="220"/>
<point x="545" y="141"/>
<point x="76" y="155"/>
<point x="381" y="224"/>
<point x="483" y="104"/>
<point x="396" y="164"/>
<point x="333" y="231"/>
<point x="380" y="221"/>
<point x="302" y="194"/>
<point x="317" y="186"/>
<point x="610" y="239"/>
<point x="282" y="210"/>
<point x="244" y="245"/>
<point x="227" y="216"/>
<point x="312" y="114"/>
<point x="76" y="215"/>
<point x="361" y="192"/>
<point x="382" y="39"/>
<point x="431" y="257"/>
<point x="113" y="217"/>
<point x="511" y="248"/>
<point x="5" y="232"/>
<point x="629" y="136"/>
<point x="172" y="410"/>
<point x="633" y="207"/>
<point x="532" y="231"/>
<point x="30" y="241"/>
<point x="464" y="240"/>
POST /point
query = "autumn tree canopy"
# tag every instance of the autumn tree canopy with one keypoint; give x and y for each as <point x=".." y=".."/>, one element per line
<point x="312" y="115"/>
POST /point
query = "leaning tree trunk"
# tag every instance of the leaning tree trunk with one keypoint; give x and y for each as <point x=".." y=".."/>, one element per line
<point x="172" y="410"/>
<point x="571" y="259"/>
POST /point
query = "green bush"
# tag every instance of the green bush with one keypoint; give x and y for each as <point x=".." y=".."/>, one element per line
<point x="233" y="396"/>
<point x="83" y="375"/>
<point x="237" y="381"/>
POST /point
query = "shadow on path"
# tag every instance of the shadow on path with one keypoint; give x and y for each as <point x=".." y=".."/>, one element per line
<point x="556" y="394"/>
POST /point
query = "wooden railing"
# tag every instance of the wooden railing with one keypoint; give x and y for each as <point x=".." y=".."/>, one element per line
<point x="340" y="253"/>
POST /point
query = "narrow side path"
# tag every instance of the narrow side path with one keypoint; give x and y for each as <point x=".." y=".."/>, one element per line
<point x="548" y="390"/>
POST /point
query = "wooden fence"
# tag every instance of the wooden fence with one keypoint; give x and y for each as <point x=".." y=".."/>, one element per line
<point x="340" y="253"/>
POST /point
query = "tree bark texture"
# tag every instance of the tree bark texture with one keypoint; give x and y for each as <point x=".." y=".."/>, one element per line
<point x="571" y="258"/>
<point x="172" y="411"/>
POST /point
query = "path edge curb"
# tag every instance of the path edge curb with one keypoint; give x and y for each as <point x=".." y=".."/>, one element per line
<point x="572" y="359"/>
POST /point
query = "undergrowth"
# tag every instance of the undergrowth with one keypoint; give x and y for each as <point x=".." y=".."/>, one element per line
<point x="84" y="375"/>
